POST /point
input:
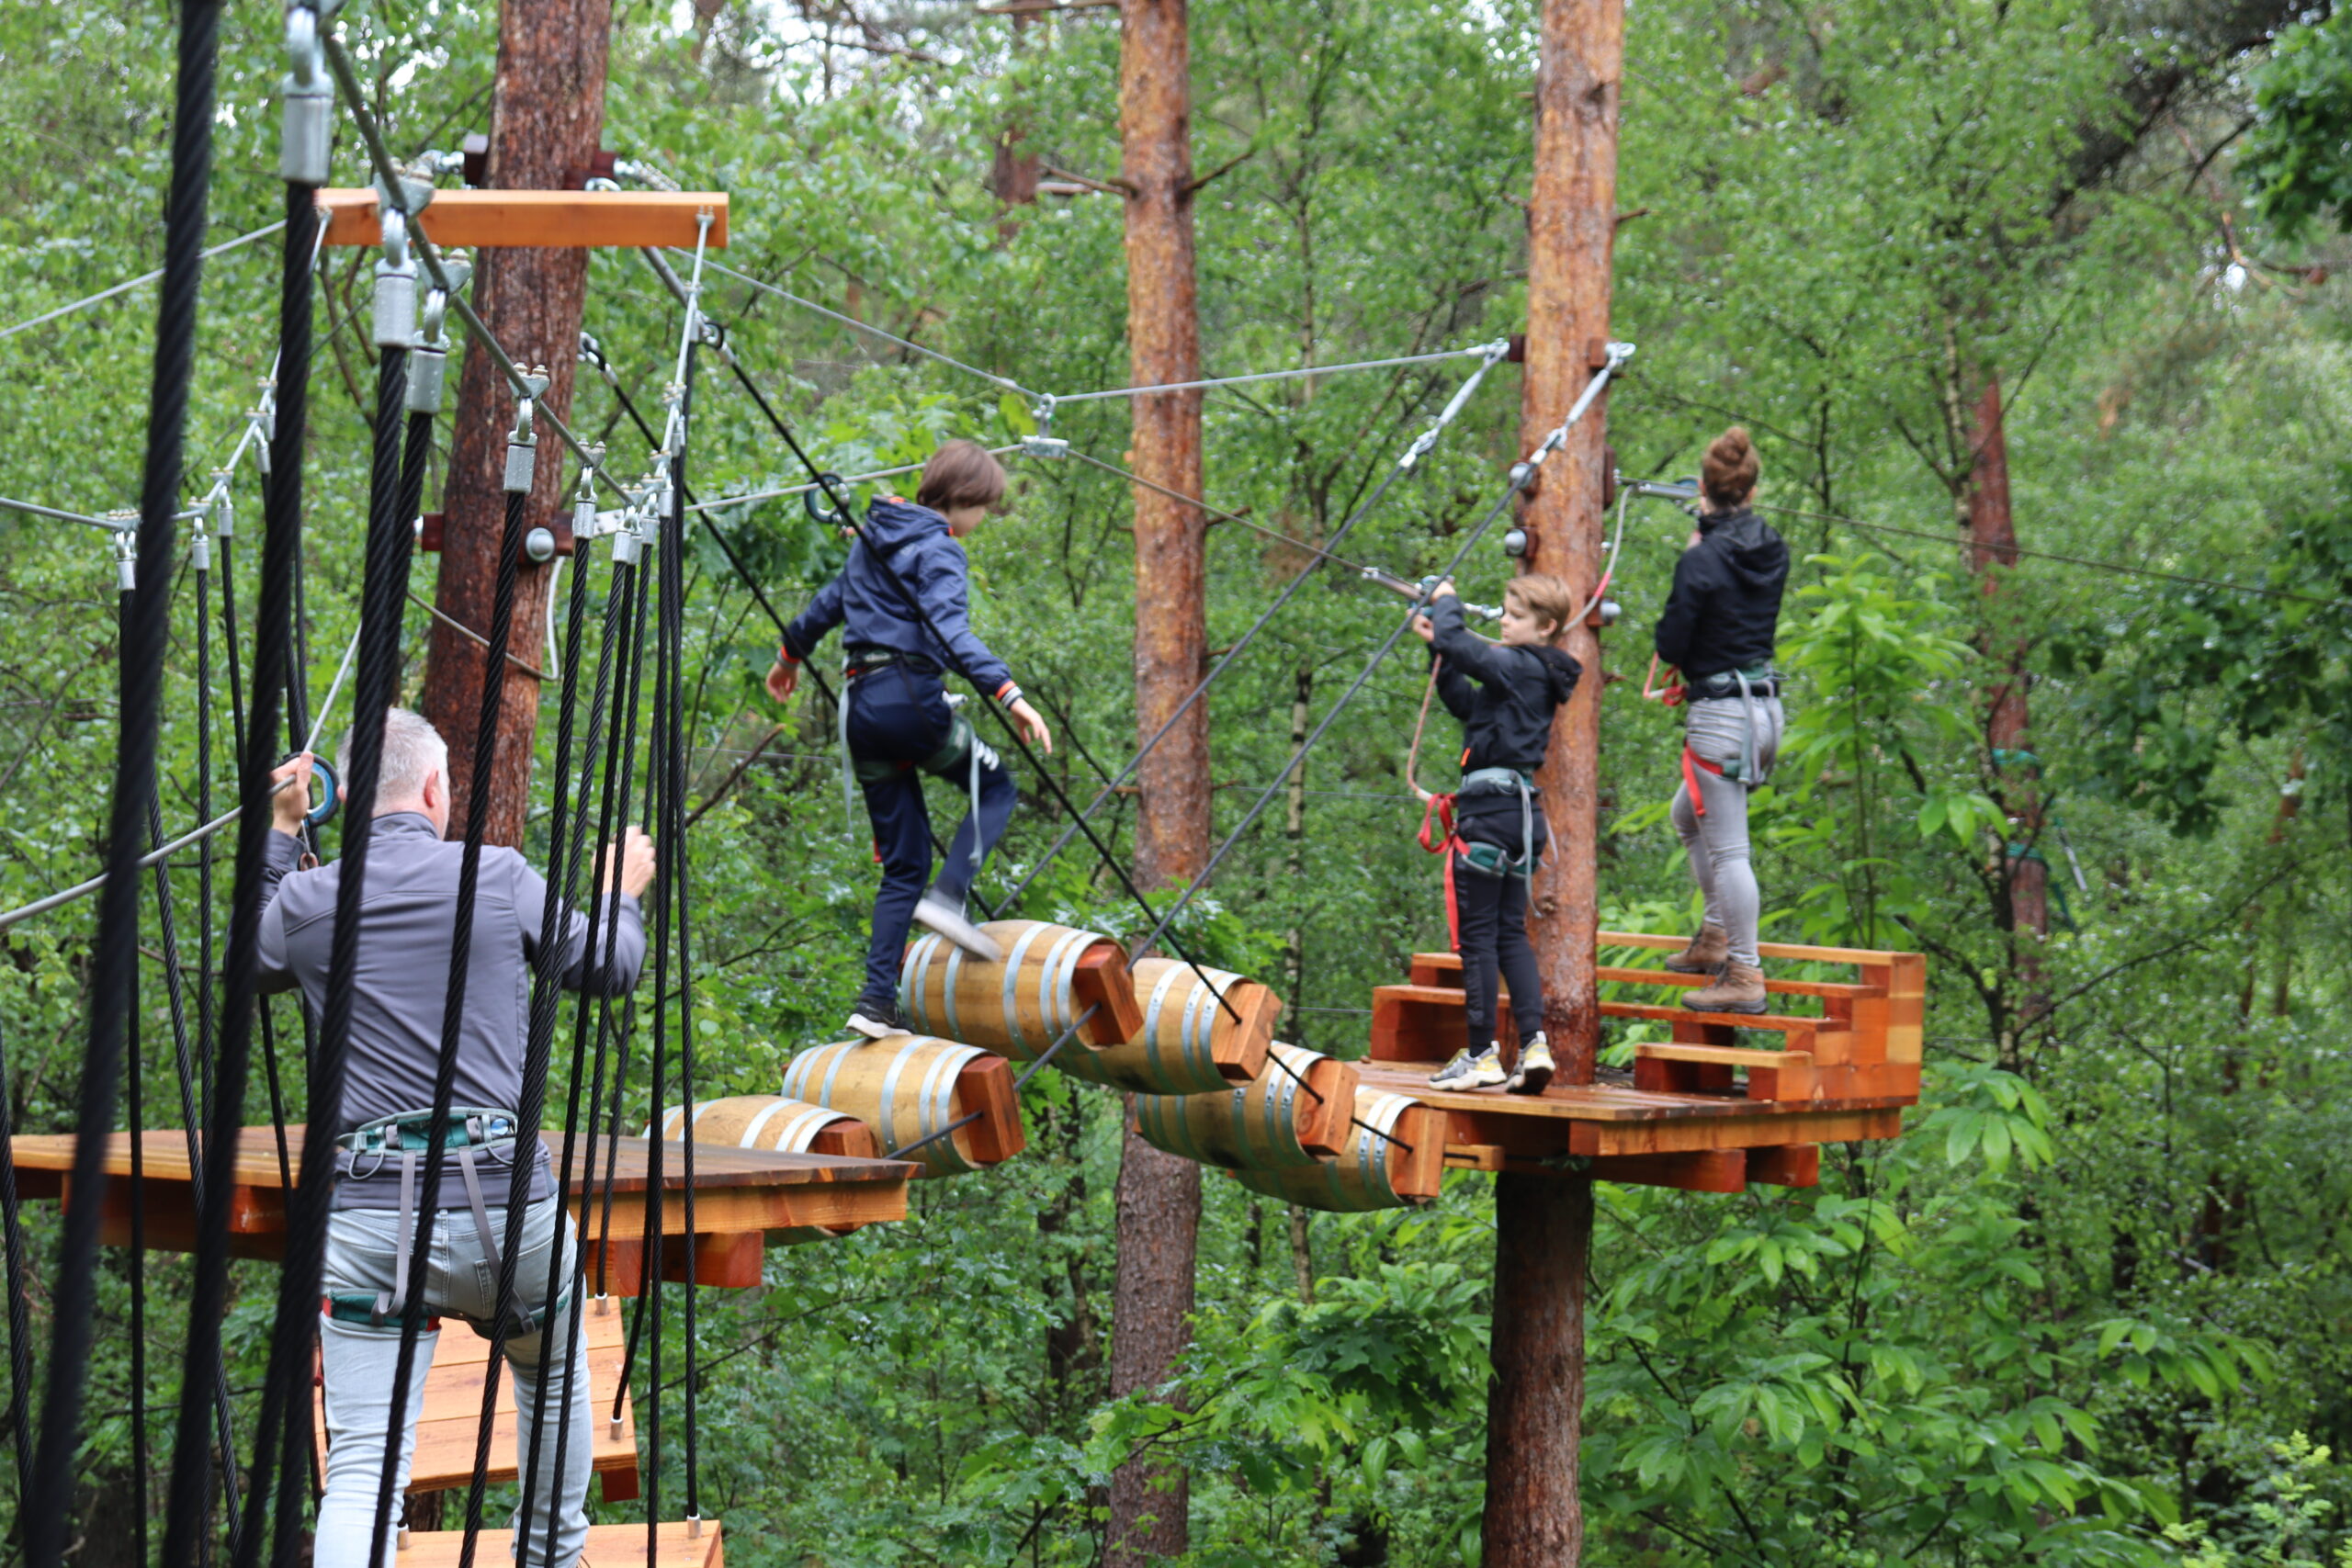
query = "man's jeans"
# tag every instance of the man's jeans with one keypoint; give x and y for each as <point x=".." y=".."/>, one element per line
<point x="359" y="1361"/>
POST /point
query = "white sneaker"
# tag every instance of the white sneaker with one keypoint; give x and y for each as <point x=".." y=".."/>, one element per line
<point x="1535" y="1066"/>
<point x="935" y="911"/>
<point x="1483" y="1070"/>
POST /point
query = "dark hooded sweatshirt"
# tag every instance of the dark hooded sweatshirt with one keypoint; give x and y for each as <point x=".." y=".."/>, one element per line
<point x="1725" y="606"/>
<point x="1504" y="695"/>
<point x="873" y="611"/>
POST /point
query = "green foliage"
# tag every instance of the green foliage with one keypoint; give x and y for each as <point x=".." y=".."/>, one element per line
<point x="2295" y="161"/>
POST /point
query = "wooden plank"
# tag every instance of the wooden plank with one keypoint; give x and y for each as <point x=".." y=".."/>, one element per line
<point x="1799" y="1125"/>
<point x="1770" y="949"/>
<point x="608" y="1546"/>
<point x="1713" y="1170"/>
<point x="1793" y="1165"/>
<point x="1773" y="984"/>
<point x="1427" y="1023"/>
<point x="1771" y="1074"/>
<point x="1800" y="1030"/>
<point x="1730" y="1056"/>
<point x="1599" y="1103"/>
<point x="1329" y="1122"/>
<point x="1422" y="1170"/>
<point x="556" y="219"/>
<point x="1474" y="1157"/>
<point x="985" y="1084"/>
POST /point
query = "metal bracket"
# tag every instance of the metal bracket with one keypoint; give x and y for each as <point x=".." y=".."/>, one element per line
<point x="522" y="442"/>
<point x="1045" y="442"/>
<point x="305" y="136"/>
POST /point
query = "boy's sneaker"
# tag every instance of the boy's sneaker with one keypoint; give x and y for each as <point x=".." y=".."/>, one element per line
<point x="875" y="1017"/>
<point x="1535" y="1066"/>
<point x="1482" y="1069"/>
<point x="936" y="911"/>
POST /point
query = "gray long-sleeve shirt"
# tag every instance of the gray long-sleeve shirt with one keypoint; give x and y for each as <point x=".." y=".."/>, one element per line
<point x="402" y="979"/>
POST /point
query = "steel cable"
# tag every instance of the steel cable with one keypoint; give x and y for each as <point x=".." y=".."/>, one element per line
<point x="20" y="1328"/>
<point x="114" y="948"/>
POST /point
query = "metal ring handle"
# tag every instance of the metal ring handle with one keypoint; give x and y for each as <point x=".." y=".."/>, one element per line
<point x="321" y="814"/>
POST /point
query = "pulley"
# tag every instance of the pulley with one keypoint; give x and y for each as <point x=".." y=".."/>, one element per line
<point x="821" y="511"/>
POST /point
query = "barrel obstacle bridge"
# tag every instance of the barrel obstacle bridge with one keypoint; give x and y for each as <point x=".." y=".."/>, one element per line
<point x="698" y="1197"/>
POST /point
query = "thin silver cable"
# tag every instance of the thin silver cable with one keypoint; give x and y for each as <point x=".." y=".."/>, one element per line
<point x="791" y="491"/>
<point x="1476" y="351"/>
<point x="908" y="344"/>
<point x="164" y="851"/>
<point x="105" y="294"/>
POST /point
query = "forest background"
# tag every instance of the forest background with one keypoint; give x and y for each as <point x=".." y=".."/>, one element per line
<point x="2094" y="1307"/>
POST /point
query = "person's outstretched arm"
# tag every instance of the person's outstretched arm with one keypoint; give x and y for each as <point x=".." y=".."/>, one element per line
<point x="805" y="632"/>
<point x="631" y="861"/>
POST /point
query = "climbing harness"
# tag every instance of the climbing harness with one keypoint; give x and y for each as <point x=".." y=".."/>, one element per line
<point x="1748" y="687"/>
<point x="477" y="1135"/>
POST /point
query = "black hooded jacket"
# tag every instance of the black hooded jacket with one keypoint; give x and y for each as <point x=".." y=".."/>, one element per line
<point x="1504" y="695"/>
<point x="1726" y="606"/>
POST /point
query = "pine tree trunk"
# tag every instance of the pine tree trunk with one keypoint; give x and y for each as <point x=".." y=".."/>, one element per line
<point x="547" y="117"/>
<point x="1159" y="1194"/>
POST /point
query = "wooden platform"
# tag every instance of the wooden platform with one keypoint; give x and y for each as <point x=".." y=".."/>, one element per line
<point x="450" y="1420"/>
<point x="1728" y="1099"/>
<point x="609" y="1546"/>
<point x="740" y="1197"/>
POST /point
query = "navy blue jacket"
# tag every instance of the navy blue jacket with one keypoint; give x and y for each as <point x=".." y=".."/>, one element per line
<point x="1724" y="610"/>
<point x="1504" y="694"/>
<point x="872" y="611"/>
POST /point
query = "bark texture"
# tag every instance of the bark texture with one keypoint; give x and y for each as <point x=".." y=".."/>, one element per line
<point x="1534" y="1409"/>
<point x="1533" y="1515"/>
<point x="2008" y="720"/>
<point x="547" y="117"/>
<point x="1159" y="1194"/>
<point x="1571" y="236"/>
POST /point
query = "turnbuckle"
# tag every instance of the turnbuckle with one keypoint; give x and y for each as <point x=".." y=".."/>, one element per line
<point x="522" y="442"/>
<point x="304" y="138"/>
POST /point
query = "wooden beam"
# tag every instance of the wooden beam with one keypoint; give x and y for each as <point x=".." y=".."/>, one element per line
<point x="1042" y="7"/>
<point x="546" y="220"/>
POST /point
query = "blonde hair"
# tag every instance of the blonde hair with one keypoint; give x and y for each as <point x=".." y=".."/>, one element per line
<point x="1544" y="596"/>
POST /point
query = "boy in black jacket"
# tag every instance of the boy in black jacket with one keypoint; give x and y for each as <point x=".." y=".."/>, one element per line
<point x="1504" y="693"/>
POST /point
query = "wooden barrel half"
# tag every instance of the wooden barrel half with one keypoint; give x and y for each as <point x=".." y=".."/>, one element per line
<point x="1296" y="1113"/>
<point x="1049" y="977"/>
<point x="1394" y="1158"/>
<point x="1187" y="1041"/>
<point x="907" y="1087"/>
<point x="771" y="1122"/>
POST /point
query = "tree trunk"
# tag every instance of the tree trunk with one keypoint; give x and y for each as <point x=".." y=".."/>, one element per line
<point x="547" y="117"/>
<point x="1571" y="233"/>
<point x="1159" y="1194"/>
<point x="2009" y="730"/>
<point x="1543" y="1224"/>
<point x="1534" y="1408"/>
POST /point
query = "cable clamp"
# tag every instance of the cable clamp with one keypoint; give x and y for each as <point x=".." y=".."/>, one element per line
<point x="522" y="442"/>
<point x="126" y="552"/>
<point x="224" y="506"/>
<point x="305" y="136"/>
<point x="395" y="303"/>
<point x="1043" y="443"/>
<point x="584" y="525"/>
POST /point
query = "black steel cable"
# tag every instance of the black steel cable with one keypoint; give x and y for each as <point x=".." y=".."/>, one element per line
<point x="20" y="1328"/>
<point x="114" y="948"/>
<point x="548" y="999"/>
<point x="134" y="1098"/>
<point x="282" y="1429"/>
<point x="1266" y="618"/>
<point x="564" y="833"/>
<point x="672" y="857"/>
<point x="453" y="1010"/>
<point x="608" y="1033"/>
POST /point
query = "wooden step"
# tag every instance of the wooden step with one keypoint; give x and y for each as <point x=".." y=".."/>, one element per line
<point x="1425" y="1024"/>
<point x="1445" y="969"/>
<point x="1830" y="1042"/>
<point x="447" y="1427"/>
<point x="1708" y="1070"/>
<point x="609" y="1546"/>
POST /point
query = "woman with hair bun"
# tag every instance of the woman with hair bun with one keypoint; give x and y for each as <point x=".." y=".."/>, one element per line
<point x="1718" y="628"/>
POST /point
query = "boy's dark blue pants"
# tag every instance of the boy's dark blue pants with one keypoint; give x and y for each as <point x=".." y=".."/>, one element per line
<point x="898" y="716"/>
<point x="1493" y="914"/>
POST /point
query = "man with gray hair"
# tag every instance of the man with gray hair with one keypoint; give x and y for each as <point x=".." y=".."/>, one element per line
<point x="400" y="987"/>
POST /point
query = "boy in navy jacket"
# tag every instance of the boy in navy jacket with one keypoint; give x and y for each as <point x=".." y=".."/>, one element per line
<point x="1505" y="693"/>
<point x="903" y="605"/>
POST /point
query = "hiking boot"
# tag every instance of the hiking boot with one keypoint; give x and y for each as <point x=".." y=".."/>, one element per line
<point x="1535" y="1066"/>
<point x="938" y="912"/>
<point x="1705" y="956"/>
<point x="1739" y="987"/>
<point x="1483" y="1069"/>
<point x="875" y="1017"/>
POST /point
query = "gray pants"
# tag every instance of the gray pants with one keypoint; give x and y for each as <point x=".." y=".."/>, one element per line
<point x="358" y="1361"/>
<point x="1717" y="731"/>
